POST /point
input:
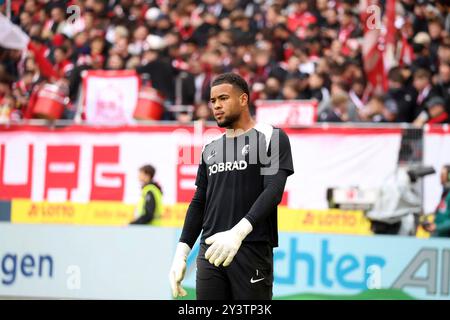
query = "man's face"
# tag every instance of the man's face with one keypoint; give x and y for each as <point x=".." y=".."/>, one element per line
<point x="358" y="88"/>
<point x="143" y="178"/>
<point x="444" y="72"/>
<point x="331" y="16"/>
<point x="30" y="6"/>
<point x="420" y="83"/>
<point x="59" y="55"/>
<point x="322" y="4"/>
<point x="227" y="103"/>
<point x="444" y="54"/>
<point x="345" y="19"/>
<point x="435" y="30"/>
<point x="4" y="88"/>
<point x="394" y="84"/>
<point x="57" y="15"/>
<point x="25" y="19"/>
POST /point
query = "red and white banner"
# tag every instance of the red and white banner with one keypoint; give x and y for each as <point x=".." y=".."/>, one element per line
<point x="110" y="97"/>
<point x="287" y="112"/>
<point x="372" y="49"/>
<point x="83" y="164"/>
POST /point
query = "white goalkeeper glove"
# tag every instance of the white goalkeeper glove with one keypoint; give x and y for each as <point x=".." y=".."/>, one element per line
<point x="178" y="269"/>
<point x="225" y="245"/>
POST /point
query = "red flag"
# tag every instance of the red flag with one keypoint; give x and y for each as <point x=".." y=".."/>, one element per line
<point x="390" y="22"/>
<point x="406" y="52"/>
<point x="371" y="49"/>
<point x="391" y="32"/>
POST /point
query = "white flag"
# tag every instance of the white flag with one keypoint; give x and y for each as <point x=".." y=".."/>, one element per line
<point x="11" y="36"/>
<point x="110" y="97"/>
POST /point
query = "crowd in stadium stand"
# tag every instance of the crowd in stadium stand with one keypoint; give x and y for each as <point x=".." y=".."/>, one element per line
<point x="285" y="49"/>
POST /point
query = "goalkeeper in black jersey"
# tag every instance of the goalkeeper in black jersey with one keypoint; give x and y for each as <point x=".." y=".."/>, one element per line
<point x="240" y="182"/>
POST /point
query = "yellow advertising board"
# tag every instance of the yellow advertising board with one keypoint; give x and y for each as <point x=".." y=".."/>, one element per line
<point x="92" y="213"/>
<point x="117" y="213"/>
<point x="324" y="221"/>
<point x="120" y="214"/>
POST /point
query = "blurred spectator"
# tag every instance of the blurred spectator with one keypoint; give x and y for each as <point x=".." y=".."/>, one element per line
<point x="63" y="65"/>
<point x="435" y="27"/>
<point x="420" y="21"/>
<point x="56" y="21"/>
<point x="402" y="96"/>
<point x="203" y="112"/>
<point x="137" y="45"/>
<point x="349" y="29"/>
<point x="317" y="88"/>
<point x="290" y="90"/>
<point x="442" y="82"/>
<point x="209" y="26"/>
<point x="5" y="88"/>
<point x="356" y="93"/>
<point x="272" y="89"/>
<point x="379" y="109"/>
<point x="340" y="89"/>
<point x="444" y="52"/>
<point x="160" y="73"/>
<point x="242" y="31"/>
<point x="338" y="111"/>
<point x="300" y="17"/>
<point x="183" y="117"/>
<point x="424" y="90"/>
<point x="435" y="112"/>
<point x="85" y="62"/>
<point x="115" y="62"/>
<point x="423" y="58"/>
<point x="7" y="108"/>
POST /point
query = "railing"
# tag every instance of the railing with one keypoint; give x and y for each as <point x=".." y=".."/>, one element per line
<point x="62" y="123"/>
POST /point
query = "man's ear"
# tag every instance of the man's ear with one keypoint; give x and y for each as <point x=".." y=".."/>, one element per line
<point x="243" y="99"/>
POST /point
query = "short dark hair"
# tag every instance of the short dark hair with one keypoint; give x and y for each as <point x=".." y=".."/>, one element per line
<point x="422" y="73"/>
<point x="234" y="79"/>
<point x="149" y="170"/>
<point x="395" y="75"/>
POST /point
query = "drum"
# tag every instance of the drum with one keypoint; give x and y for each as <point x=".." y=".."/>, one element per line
<point x="150" y="105"/>
<point x="50" y="102"/>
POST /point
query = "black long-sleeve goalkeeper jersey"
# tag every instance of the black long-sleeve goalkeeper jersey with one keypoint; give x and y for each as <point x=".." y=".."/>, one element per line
<point x="239" y="177"/>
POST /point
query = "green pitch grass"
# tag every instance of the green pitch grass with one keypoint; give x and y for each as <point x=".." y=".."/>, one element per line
<point x="379" y="294"/>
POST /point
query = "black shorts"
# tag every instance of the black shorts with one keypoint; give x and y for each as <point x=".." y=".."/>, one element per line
<point x="248" y="277"/>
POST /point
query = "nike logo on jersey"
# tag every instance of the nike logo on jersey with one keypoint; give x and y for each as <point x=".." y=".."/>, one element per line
<point x="212" y="155"/>
<point x="256" y="280"/>
<point x="227" y="166"/>
<point x="245" y="150"/>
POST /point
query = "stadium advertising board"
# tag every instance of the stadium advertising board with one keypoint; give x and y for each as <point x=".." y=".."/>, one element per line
<point x="85" y="262"/>
<point x="313" y="266"/>
<point x="119" y="214"/>
<point x="133" y="263"/>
